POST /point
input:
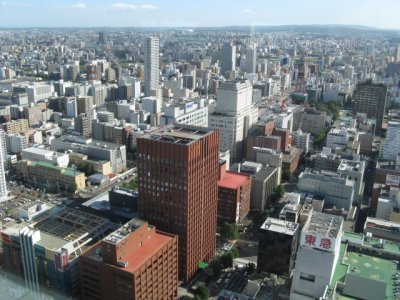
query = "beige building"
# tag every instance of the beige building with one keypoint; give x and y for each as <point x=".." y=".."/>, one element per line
<point x="45" y="172"/>
<point x="16" y="126"/>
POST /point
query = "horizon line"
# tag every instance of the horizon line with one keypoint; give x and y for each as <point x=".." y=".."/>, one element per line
<point x="195" y="26"/>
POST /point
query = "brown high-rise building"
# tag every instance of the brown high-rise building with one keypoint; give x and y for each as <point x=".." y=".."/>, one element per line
<point x="134" y="262"/>
<point x="178" y="175"/>
<point x="370" y="98"/>
<point x="85" y="105"/>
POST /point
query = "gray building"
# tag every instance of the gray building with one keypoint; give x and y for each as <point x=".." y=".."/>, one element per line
<point x="151" y="65"/>
<point x="228" y="58"/>
<point x="94" y="149"/>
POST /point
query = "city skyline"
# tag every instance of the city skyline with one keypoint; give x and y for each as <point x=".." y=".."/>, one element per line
<point x="157" y="13"/>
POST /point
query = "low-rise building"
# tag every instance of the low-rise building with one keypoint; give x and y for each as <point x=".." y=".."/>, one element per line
<point x="39" y="154"/>
<point x="140" y="262"/>
<point x="277" y="246"/>
<point x="192" y="112"/>
<point x="46" y="174"/>
<point x="53" y="241"/>
<point x="338" y="192"/>
<point x="234" y="191"/>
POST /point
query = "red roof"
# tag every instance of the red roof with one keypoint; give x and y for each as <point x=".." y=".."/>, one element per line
<point x="233" y="180"/>
<point x="144" y="253"/>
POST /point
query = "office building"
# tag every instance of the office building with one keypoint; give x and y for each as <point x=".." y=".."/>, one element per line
<point x="264" y="180"/>
<point x="311" y="121"/>
<point x="186" y="112"/>
<point x="39" y="154"/>
<point x="151" y="65"/>
<point x="301" y="140"/>
<point x="16" y="143"/>
<point x="34" y="115"/>
<point x="338" y="192"/>
<point x="94" y="149"/>
<point x="85" y="105"/>
<point x="152" y="105"/>
<point x="397" y="53"/>
<point x="366" y="269"/>
<point x="317" y="256"/>
<point x="370" y="98"/>
<point x="391" y="143"/>
<point x="71" y="107"/>
<point x="234" y="191"/>
<point x="233" y="116"/>
<point x="45" y="251"/>
<point x="16" y="126"/>
<point x="50" y="176"/>
<point x="178" y="192"/>
<point x="136" y="261"/>
<point x="3" y="164"/>
<point x="326" y="160"/>
<point x="228" y="58"/>
<point x="83" y="125"/>
<point x="337" y="138"/>
<point x="354" y="170"/>
<point x="277" y="246"/>
<point x="251" y="59"/>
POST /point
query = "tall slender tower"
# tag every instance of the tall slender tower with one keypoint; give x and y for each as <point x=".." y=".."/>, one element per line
<point x="151" y="65"/>
<point x="178" y="191"/>
<point x="228" y="58"/>
<point x="3" y="151"/>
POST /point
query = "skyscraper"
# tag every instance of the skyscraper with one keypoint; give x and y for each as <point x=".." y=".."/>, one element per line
<point x="151" y="65"/>
<point x="228" y="58"/>
<point x="251" y="59"/>
<point x="3" y="151"/>
<point x="370" y="98"/>
<point x="178" y="175"/>
<point x="397" y="53"/>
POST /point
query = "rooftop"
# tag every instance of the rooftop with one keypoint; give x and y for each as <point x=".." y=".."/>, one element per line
<point x="232" y="180"/>
<point x="375" y="273"/>
<point x="118" y="235"/>
<point x="178" y="133"/>
<point x="323" y="224"/>
<point x="280" y="226"/>
<point x="65" y="171"/>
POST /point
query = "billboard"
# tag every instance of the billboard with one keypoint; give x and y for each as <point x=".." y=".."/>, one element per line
<point x="61" y="259"/>
<point x="317" y="241"/>
<point x="392" y="180"/>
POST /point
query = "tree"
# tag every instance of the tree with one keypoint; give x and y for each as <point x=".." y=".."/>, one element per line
<point x="215" y="265"/>
<point x="202" y="292"/>
<point x="235" y="252"/>
<point x="280" y="191"/>
<point x="251" y="267"/>
<point x="227" y="260"/>
<point x="229" y="231"/>
<point x="86" y="168"/>
<point x="186" y="298"/>
<point x="72" y="188"/>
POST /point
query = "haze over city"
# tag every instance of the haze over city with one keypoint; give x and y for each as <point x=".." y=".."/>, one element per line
<point x="207" y="13"/>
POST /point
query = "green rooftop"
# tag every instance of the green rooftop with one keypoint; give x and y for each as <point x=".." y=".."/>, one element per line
<point x="65" y="171"/>
<point x="376" y="266"/>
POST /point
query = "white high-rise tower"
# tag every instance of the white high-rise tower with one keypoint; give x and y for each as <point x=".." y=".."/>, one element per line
<point x="151" y="65"/>
<point x="3" y="185"/>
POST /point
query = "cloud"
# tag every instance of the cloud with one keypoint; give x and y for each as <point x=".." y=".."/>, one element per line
<point x="147" y="6"/>
<point x="79" y="5"/>
<point x="247" y="11"/>
<point x="129" y="6"/>
<point x="6" y="4"/>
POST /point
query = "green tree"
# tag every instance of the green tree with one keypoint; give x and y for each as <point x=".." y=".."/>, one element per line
<point x="132" y="185"/>
<point x="86" y="168"/>
<point x="251" y="267"/>
<point x="235" y="252"/>
<point x="227" y="260"/>
<point x="202" y="292"/>
<point x="215" y="265"/>
<point x="229" y="231"/>
<point x="72" y="188"/>
<point x="186" y="298"/>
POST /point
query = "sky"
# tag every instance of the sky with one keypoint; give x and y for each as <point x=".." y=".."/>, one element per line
<point x="197" y="13"/>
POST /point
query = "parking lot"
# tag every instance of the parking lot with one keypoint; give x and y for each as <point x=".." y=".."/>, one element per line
<point x="234" y="280"/>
